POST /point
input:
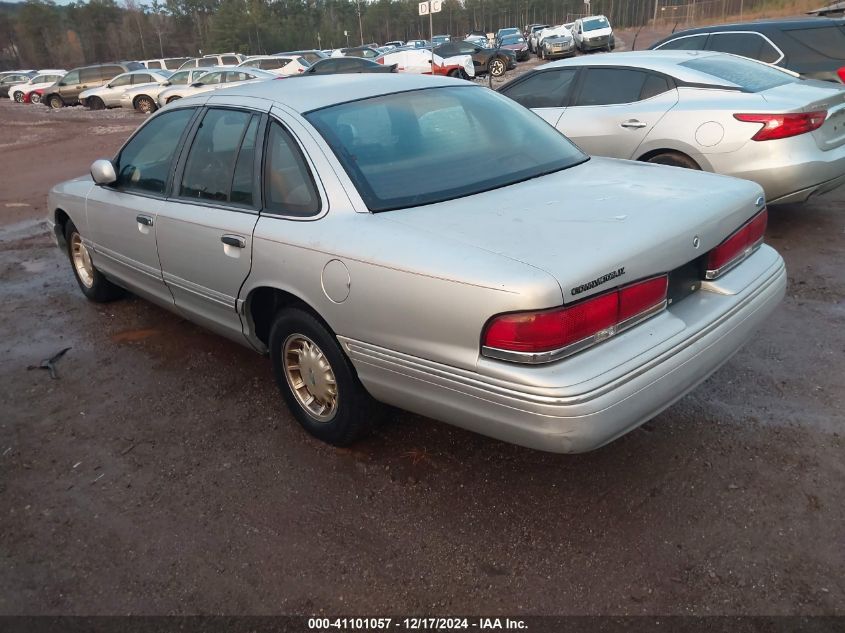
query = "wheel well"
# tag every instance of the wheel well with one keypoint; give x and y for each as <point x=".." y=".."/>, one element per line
<point x="263" y="303"/>
<point x="62" y="219"/>
<point x="656" y="152"/>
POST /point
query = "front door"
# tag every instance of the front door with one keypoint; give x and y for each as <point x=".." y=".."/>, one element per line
<point x="121" y="218"/>
<point x="205" y="232"/>
<point x="615" y="110"/>
<point x="546" y="92"/>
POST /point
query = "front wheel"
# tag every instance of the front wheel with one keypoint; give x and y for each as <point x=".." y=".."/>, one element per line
<point x="55" y="102"/>
<point x="18" y="96"/>
<point x="497" y="67"/>
<point x="91" y="281"/>
<point x="317" y="381"/>
<point x="34" y="97"/>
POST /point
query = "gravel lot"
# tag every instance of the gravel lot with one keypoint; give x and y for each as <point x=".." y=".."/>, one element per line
<point x="162" y="474"/>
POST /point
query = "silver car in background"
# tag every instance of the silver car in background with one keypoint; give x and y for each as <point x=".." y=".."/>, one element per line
<point x="214" y="79"/>
<point x="367" y="234"/>
<point x="700" y="110"/>
<point x="144" y="98"/>
<point x="110" y="94"/>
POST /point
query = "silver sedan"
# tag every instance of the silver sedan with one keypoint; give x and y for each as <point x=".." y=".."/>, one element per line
<point x="214" y="79"/>
<point x="384" y="238"/>
<point x="701" y="110"/>
<point x="110" y="94"/>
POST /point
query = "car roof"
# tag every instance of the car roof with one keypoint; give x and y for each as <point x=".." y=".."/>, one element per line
<point x="668" y="62"/>
<point x="328" y="90"/>
<point x="763" y="25"/>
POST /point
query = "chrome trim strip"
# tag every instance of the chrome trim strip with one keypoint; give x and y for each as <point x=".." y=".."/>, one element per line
<point x="200" y="291"/>
<point x="137" y="266"/>
<point x="536" y="358"/>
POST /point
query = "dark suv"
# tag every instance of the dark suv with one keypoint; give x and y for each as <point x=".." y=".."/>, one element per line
<point x="493" y="60"/>
<point x="812" y="47"/>
<point x="65" y="92"/>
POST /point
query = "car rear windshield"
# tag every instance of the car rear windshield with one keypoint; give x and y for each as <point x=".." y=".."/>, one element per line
<point x="748" y="75"/>
<point x="592" y="25"/>
<point x="426" y="146"/>
<point x="828" y="41"/>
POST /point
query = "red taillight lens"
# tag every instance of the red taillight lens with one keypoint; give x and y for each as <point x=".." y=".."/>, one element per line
<point x="552" y="334"/>
<point x="737" y="247"/>
<point x="841" y="73"/>
<point x="777" y="126"/>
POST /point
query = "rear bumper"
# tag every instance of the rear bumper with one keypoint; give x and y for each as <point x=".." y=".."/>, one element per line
<point x="789" y="171"/>
<point x="551" y="407"/>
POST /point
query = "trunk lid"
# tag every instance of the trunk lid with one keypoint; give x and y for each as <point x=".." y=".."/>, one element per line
<point x="607" y="221"/>
<point x="812" y="95"/>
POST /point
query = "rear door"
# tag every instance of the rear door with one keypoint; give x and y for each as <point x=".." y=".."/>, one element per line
<point x="205" y="233"/>
<point x="615" y="109"/>
<point x="546" y="92"/>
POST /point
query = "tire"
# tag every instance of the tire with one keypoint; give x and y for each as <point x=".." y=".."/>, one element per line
<point x="145" y="104"/>
<point x="172" y="99"/>
<point x="18" y="96"/>
<point x="497" y="66"/>
<point x="95" y="103"/>
<point x="34" y="97"/>
<point x="675" y="159"/>
<point x="55" y="102"/>
<point x="348" y="411"/>
<point x="91" y="281"/>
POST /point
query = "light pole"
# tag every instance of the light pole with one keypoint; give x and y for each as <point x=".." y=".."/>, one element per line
<point x="360" y="28"/>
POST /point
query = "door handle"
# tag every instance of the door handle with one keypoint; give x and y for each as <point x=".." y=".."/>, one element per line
<point x="144" y="219"/>
<point x="633" y="124"/>
<point x="233" y="240"/>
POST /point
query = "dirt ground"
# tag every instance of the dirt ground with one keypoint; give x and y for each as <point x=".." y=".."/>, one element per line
<point x="162" y="474"/>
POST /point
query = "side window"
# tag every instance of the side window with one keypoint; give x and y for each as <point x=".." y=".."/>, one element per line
<point x="71" y="79"/>
<point x="608" y="86"/>
<point x="288" y="186"/>
<point x="108" y="72"/>
<point x="230" y="59"/>
<point x="653" y="86"/>
<point x="544" y="89"/>
<point x="689" y="43"/>
<point x="179" y="79"/>
<point x="90" y="75"/>
<point x="154" y="64"/>
<point x="750" y="45"/>
<point x="117" y="82"/>
<point x="211" y="78"/>
<point x="206" y="61"/>
<point x="349" y="64"/>
<point x="144" y="164"/>
<point x="211" y="161"/>
<point x="142" y="78"/>
<point x="328" y="66"/>
<point x="237" y="75"/>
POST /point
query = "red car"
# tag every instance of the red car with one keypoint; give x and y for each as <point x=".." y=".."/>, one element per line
<point x="518" y="45"/>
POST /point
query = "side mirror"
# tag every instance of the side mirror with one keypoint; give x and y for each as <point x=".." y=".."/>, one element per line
<point x="102" y="171"/>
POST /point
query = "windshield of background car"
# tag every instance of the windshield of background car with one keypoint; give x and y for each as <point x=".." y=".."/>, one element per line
<point x="426" y="146"/>
<point x="597" y="23"/>
<point x="513" y="39"/>
<point x="750" y="76"/>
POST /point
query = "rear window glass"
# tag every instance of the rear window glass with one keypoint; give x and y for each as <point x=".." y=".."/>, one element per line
<point x="750" y="45"/>
<point x="747" y="75"/>
<point x="828" y="41"/>
<point x="414" y="148"/>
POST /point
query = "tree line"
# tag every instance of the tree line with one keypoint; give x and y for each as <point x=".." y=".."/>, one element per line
<point x="41" y="34"/>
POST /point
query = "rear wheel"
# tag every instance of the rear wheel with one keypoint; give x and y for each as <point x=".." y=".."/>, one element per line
<point x="91" y="281"/>
<point x="675" y="159"/>
<point x="145" y="104"/>
<point x="55" y="102"/>
<point x="317" y="381"/>
<point x="18" y="96"/>
<point x="95" y="103"/>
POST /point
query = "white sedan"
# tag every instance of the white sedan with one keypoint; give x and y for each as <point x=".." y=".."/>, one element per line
<point x="43" y="79"/>
<point x="213" y="80"/>
<point x="110" y="94"/>
<point x="282" y="65"/>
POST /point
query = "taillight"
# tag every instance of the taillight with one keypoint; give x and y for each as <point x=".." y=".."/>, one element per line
<point x="841" y="73"/>
<point x="737" y="246"/>
<point x="547" y="335"/>
<point x="775" y="126"/>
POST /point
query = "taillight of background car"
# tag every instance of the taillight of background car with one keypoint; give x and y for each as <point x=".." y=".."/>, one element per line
<point x="775" y="126"/>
